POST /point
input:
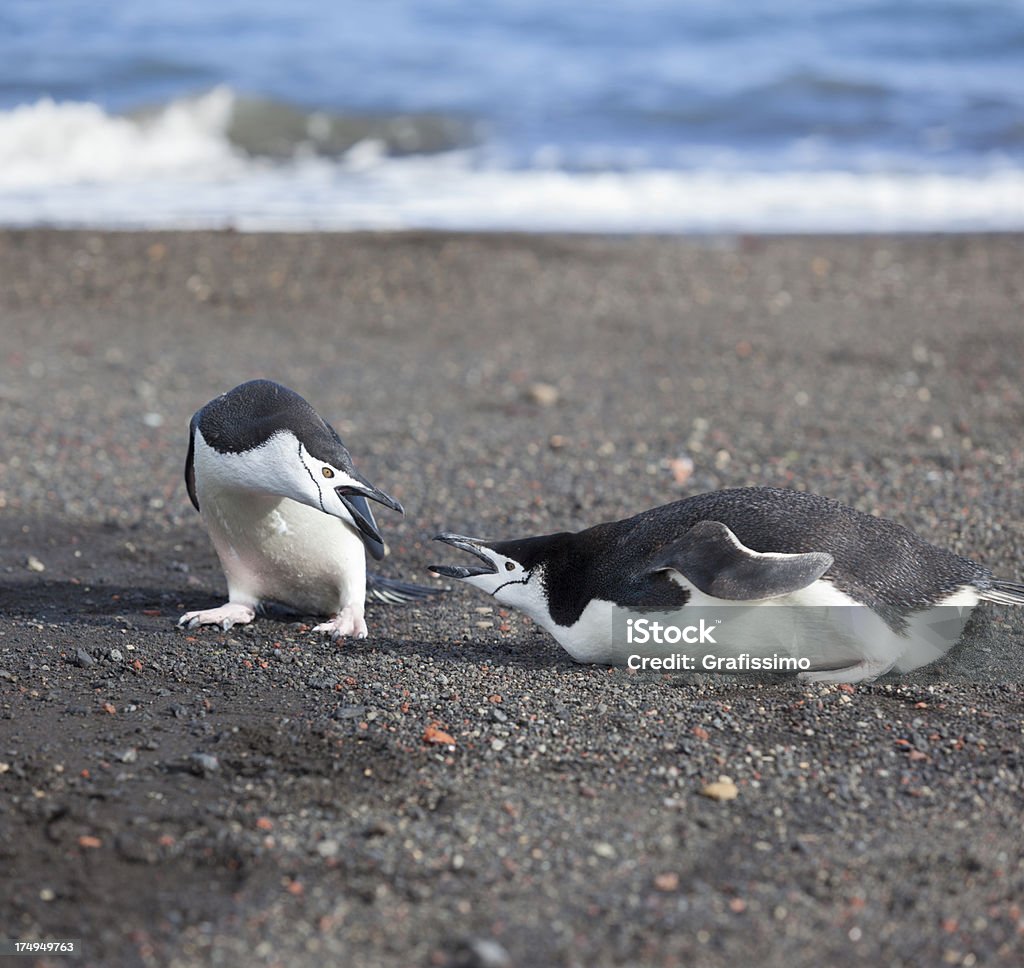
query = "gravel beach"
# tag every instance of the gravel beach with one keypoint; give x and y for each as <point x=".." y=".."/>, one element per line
<point x="264" y="797"/>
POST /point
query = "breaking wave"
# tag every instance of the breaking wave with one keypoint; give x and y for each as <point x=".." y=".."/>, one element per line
<point x="222" y="160"/>
<point x="208" y="136"/>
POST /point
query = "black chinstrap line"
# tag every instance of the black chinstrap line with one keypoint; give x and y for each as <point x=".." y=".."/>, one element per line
<point x="312" y="477"/>
<point x="513" y="581"/>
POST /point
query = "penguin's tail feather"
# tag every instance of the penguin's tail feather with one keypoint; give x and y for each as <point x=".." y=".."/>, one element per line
<point x="1003" y="592"/>
<point x="390" y="591"/>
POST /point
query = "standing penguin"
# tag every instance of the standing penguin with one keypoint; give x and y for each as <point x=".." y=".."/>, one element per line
<point x="286" y="510"/>
<point x="752" y="546"/>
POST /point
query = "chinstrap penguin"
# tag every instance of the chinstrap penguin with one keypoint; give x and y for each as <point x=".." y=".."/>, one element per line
<point x="286" y="510"/>
<point x="752" y="546"/>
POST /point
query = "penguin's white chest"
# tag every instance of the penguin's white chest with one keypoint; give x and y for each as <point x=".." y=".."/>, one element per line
<point x="589" y="638"/>
<point x="275" y="548"/>
<point x="840" y="640"/>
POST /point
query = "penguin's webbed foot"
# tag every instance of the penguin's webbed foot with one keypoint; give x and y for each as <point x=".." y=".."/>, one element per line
<point x="227" y="615"/>
<point x="348" y="622"/>
<point x="864" y="671"/>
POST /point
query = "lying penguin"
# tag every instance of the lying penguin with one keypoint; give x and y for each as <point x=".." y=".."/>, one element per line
<point x="286" y="510"/>
<point x="755" y="546"/>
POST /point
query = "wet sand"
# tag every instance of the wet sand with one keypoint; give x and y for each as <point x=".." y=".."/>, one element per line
<point x="264" y="797"/>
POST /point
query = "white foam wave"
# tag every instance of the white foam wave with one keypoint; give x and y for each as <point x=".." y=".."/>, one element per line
<point x="74" y="165"/>
<point x="51" y="143"/>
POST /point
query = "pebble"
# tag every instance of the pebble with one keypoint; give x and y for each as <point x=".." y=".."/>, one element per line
<point x="682" y="469"/>
<point x="203" y="763"/>
<point x="483" y="953"/>
<point x="543" y="394"/>
<point x="722" y="789"/>
<point x="668" y="881"/>
<point x="349" y="712"/>
<point x="322" y="682"/>
<point x="83" y="658"/>
<point x="32" y="563"/>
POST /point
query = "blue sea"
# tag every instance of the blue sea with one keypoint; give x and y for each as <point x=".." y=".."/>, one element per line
<point x="536" y="115"/>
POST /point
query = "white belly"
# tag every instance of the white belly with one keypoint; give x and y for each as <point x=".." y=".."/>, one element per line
<point x="277" y="549"/>
<point x="823" y="625"/>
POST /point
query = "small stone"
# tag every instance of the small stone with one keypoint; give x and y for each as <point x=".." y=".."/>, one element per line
<point x="328" y="848"/>
<point x="667" y="882"/>
<point x="47" y="894"/>
<point x="557" y="441"/>
<point x="485" y="953"/>
<point x="128" y="756"/>
<point x="378" y="828"/>
<point x="84" y="659"/>
<point x="603" y="849"/>
<point x="203" y="763"/>
<point x="322" y="682"/>
<point x="682" y="469"/>
<point x="722" y="789"/>
<point x="349" y="712"/>
<point x="116" y="655"/>
<point x="497" y="745"/>
<point x="32" y="563"/>
<point x="543" y="394"/>
<point x="434" y="734"/>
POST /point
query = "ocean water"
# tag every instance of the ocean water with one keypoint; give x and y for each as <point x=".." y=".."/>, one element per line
<point x="572" y="115"/>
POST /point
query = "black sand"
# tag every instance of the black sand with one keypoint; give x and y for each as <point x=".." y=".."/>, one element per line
<point x="261" y="797"/>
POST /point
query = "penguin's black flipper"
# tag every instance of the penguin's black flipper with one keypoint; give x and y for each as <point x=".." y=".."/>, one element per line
<point x="390" y="591"/>
<point x="715" y="561"/>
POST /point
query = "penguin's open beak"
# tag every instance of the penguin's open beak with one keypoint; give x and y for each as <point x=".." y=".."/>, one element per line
<point x="354" y="497"/>
<point x="475" y="548"/>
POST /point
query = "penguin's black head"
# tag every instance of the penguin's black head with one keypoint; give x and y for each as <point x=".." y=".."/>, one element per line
<point x="261" y="436"/>
<point x="511" y="571"/>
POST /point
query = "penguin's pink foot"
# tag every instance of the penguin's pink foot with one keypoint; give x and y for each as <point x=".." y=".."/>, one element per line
<point x="230" y="613"/>
<point x="348" y="622"/>
<point x="863" y="671"/>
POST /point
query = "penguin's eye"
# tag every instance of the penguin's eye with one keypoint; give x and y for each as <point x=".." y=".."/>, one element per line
<point x="327" y="472"/>
<point x="510" y="566"/>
